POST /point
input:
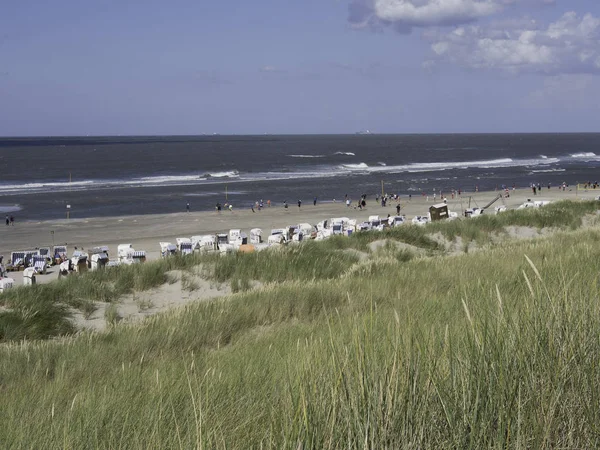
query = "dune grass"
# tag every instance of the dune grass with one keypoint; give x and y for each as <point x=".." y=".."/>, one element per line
<point x="490" y="349"/>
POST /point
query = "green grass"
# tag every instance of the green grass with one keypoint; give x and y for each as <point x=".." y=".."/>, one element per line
<point x="473" y="351"/>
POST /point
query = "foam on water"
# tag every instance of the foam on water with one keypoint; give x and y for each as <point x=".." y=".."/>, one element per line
<point x="447" y="165"/>
<point x="36" y="187"/>
<point x="359" y="166"/>
<point x="547" y="170"/>
<point x="9" y="208"/>
<point x="228" y="174"/>
<point x="584" y="155"/>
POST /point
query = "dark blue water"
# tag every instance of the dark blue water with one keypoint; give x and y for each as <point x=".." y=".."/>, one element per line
<point x="143" y="175"/>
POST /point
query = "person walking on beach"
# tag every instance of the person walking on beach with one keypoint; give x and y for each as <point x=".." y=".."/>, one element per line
<point x="187" y="207"/>
<point x="315" y="201"/>
<point x="398" y="209"/>
<point x="299" y="203"/>
<point x="12" y="220"/>
<point x="7" y="221"/>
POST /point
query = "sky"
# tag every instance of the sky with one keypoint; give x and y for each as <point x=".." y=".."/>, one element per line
<point x="148" y="67"/>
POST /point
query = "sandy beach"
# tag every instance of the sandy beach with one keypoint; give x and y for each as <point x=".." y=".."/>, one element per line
<point x="146" y="231"/>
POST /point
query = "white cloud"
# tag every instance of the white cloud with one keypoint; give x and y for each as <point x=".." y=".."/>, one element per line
<point x="569" y="45"/>
<point x="406" y="14"/>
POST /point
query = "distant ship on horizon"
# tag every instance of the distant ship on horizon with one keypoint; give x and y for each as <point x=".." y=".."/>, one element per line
<point x="363" y="132"/>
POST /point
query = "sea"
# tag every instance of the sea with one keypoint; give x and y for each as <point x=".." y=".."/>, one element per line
<point x="42" y="178"/>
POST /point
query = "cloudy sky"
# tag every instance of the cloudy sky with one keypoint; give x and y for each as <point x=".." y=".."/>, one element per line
<point x="71" y="67"/>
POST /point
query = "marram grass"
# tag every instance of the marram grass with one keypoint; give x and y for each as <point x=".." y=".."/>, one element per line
<point x="495" y="349"/>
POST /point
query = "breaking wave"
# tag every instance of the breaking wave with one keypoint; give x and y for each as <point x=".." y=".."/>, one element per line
<point x="229" y="174"/>
<point x="358" y="166"/>
<point x="584" y="155"/>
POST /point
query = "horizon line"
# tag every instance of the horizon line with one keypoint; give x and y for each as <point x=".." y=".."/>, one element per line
<point x="357" y="134"/>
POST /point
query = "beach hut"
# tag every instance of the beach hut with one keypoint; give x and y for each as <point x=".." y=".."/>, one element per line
<point x="374" y="221"/>
<point x="39" y="264"/>
<point x="123" y="252"/>
<point x="255" y="236"/>
<point x="322" y="225"/>
<point x="306" y="228"/>
<point x="29" y="254"/>
<point x="167" y="249"/>
<point x="337" y="228"/>
<point x="323" y="234"/>
<point x="79" y="261"/>
<point x="17" y="261"/>
<point x="138" y="257"/>
<point x="285" y="232"/>
<point x="65" y="268"/>
<point x="59" y="253"/>
<point x="6" y="283"/>
<point x="234" y="235"/>
<point x="420" y="220"/>
<point x="184" y="245"/>
<point x="99" y="249"/>
<point x="223" y="244"/>
<point x="29" y="276"/>
<point x="208" y="244"/>
<point x="276" y="239"/>
<point x="473" y="212"/>
<point x="364" y="226"/>
<point x="438" y="212"/>
<point x="98" y="261"/>
<point x="396" y="221"/>
<point x="46" y="252"/>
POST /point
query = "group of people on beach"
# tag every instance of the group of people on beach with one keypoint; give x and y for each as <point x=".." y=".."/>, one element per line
<point x="10" y="220"/>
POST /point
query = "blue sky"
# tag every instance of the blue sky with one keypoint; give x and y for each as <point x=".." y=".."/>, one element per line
<point x="110" y="67"/>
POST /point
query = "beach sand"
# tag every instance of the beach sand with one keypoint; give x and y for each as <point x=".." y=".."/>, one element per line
<point x="145" y="232"/>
